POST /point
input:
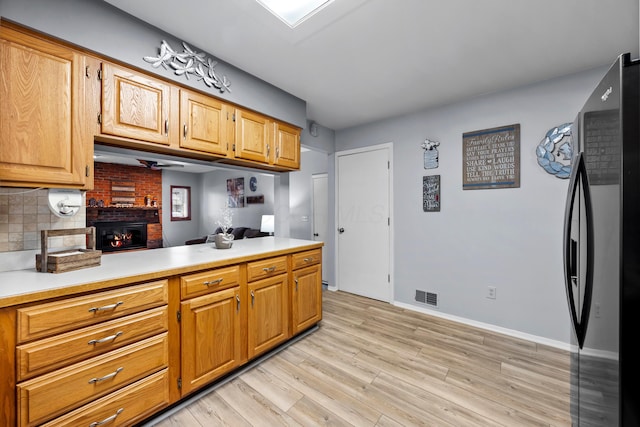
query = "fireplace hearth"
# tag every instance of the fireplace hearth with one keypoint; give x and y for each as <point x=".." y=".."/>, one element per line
<point x="113" y="236"/>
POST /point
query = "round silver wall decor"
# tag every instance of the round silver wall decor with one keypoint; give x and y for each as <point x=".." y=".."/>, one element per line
<point x="555" y="151"/>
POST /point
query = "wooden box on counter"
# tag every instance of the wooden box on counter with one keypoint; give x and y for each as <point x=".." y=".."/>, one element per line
<point x="68" y="260"/>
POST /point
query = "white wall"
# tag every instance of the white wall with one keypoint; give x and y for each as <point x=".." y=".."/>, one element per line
<point x="175" y="233"/>
<point x="301" y="192"/>
<point x="507" y="238"/>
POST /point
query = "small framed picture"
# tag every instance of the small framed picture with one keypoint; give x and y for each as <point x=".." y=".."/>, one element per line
<point x="180" y="203"/>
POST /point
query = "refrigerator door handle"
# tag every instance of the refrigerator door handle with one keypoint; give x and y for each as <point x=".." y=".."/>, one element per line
<point x="580" y="304"/>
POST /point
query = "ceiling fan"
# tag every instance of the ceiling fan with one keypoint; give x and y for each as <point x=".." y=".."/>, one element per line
<point x="152" y="164"/>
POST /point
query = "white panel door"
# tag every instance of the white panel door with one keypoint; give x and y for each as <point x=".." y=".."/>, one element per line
<point x="363" y="223"/>
<point x="320" y="215"/>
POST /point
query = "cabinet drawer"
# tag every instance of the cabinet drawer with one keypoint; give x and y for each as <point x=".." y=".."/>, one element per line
<point x="52" y="353"/>
<point x="304" y="259"/>
<point x="122" y="407"/>
<point x="209" y="281"/>
<point x="61" y="316"/>
<point x="266" y="268"/>
<point x="45" y="397"/>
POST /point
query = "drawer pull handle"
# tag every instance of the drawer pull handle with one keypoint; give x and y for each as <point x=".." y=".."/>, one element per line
<point x="106" y="307"/>
<point x="105" y="339"/>
<point x="106" y="377"/>
<point x="308" y="259"/>
<point x="107" y="420"/>
<point x="269" y="269"/>
<point x="253" y="298"/>
<point x="213" y="282"/>
<point x="296" y="280"/>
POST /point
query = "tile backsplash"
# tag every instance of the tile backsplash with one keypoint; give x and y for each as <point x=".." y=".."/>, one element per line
<point x="23" y="213"/>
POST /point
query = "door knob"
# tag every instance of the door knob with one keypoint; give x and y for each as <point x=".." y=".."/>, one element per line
<point x="341" y="230"/>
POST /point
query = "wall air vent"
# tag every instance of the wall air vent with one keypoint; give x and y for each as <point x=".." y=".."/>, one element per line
<point x="425" y="297"/>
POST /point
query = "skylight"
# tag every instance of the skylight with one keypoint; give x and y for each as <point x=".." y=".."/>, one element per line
<point x="293" y="12"/>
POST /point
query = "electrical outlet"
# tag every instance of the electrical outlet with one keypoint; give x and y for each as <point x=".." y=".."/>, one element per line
<point x="491" y="292"/>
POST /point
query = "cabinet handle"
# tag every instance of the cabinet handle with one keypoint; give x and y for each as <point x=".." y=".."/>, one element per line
<point x="166" y="127"/>
<point x="213" y="282"/>
<point x="184" y="131"/>
<point x="277" y="153"/>
<point x="310" y="259"/>
<point x="237" y="302"/>
<point x="268" y="150"/>
<point x="296" y="280"/>
<point x="106" y="377"/>
<point x="107" y="420"/>
<point x="253" y="298"/>
<point x="106" y="307"/>
<point x="105" y="339"/>
<point x="269" y="269"/>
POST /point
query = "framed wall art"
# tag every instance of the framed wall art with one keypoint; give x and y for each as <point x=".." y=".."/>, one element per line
<point x="431" y="193"/>
<point x="180" y="203"/>
<point x="491" y="158"/>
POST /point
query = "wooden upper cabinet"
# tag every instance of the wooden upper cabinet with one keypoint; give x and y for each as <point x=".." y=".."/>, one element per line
<point x="203" y="122"/>
<point x="137" y="106"/>
<point x="44" y="135"/>
<point x="253" y="136"/>
<point x="287" y="146"/>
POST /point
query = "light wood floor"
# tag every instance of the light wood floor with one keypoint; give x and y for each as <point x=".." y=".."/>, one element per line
<point x="373" y="364"/>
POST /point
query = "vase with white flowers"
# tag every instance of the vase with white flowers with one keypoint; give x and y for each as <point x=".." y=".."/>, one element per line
<point x="224" y="240"/>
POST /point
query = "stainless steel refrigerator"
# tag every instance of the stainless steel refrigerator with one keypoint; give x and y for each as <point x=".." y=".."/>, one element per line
<point x="602" y="252"/>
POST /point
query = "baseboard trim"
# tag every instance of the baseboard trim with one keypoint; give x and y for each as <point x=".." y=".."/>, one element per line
<point x="505" y="331"/>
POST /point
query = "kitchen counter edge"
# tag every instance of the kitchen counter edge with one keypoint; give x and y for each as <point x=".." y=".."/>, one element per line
<point x="27" y="286"/>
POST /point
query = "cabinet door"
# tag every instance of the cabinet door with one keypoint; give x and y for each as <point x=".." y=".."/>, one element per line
<point x="268" y="322"/>
<point x="287" y="146"/>
<point x="306" y="293"/>
<point x="253" y="136"/>
<point x="203" y="122"/>
<point x="210" y="337"/>
<point x="135" y="106"/>
<point x="43" y="134"/>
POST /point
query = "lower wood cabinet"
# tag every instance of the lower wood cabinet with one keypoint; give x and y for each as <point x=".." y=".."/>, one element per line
<point x="306" y="298"/>
<point x="210" y="331"/>
<point x="306" y="292"/>
<point x="123" y="407"/>
<point x="268" y="323"/>
<point x="117" y="356"/>
<point x="53" y="394"/>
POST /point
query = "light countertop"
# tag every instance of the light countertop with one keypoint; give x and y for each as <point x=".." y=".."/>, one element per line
<point x="22" y="286"/>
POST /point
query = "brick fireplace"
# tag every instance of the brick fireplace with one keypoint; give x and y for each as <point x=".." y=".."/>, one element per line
<point x="136" y="183"/>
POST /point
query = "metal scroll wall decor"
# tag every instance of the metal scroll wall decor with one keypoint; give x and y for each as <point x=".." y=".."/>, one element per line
<point x="555" y="151"/>
<point x="190" y="63"/>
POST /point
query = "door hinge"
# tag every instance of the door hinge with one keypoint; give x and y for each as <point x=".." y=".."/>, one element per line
<point x="179" y="383"/>
<point x="99" y="118"/>
<point x="388" y="164"/>
<point x="389" y="221"/>
<point x="234" y="147"/>
<point x="388" y="278"/>
<point x="179" y="316"/>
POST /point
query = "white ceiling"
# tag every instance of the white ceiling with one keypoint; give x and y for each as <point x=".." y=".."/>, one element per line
<point x="358" y="61"/>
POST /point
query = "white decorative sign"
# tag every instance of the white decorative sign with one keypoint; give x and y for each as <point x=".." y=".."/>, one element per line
<point x="430" y="154"/>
